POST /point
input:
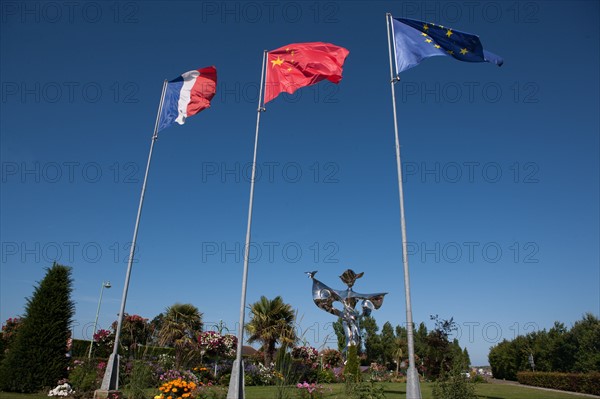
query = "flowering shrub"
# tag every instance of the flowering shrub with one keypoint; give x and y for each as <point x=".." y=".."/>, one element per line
<point x="204" y="375"/>
<point x="308" y="354"/>
<point x="135" y="330"/>
<point x="332" y="358"/>
<point x="261" y="375"/>
<point x="216" y="344"/>
<point x="269" y="375"/>
<point x="378" y="372"/>
<point x="312" y="391"/>
<point x="9" y="330"/>
<point x="135" y="319"/>
<point x="63" y="389"/>
<point x="177" y="389"/>
<point x="85" y="376"/>
<point x="101" y="366"/>
<point x="173" y="375"/>
<point x="103" y="342"/>
<point x="101" y="335"/>
<point x="10" y="327"/>
<point x="165" y="361"/>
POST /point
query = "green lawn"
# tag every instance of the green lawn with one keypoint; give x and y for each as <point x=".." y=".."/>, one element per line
<point x="398" y="391"/>
<point x="392" y="391"/>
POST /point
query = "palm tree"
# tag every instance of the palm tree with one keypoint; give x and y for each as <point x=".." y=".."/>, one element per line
<point x="181" y="325"/>
<point x="398" y="354"/>
<point x="272" y="322"/>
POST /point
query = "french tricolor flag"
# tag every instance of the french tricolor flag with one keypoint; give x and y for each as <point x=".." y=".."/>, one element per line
<point x="187" y="95"/>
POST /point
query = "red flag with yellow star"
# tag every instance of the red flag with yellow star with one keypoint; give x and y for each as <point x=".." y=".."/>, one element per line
<point x="302" y="64"/>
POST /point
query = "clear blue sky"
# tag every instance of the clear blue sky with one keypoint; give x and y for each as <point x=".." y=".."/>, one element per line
<point x="501" y="164"/>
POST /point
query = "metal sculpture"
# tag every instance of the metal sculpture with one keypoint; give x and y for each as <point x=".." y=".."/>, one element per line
<point x="325" y="297"/>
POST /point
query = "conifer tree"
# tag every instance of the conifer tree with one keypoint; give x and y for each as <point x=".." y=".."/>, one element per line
<point x="38" y="356"/>
<point x="352" y="369"/>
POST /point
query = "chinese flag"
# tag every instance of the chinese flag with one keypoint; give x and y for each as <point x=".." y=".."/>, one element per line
<point x="302" y="64"/>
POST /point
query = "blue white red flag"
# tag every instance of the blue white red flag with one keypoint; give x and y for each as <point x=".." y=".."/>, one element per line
<point x="187" y="95"/>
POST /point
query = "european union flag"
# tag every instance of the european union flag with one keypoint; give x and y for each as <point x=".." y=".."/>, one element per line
<point x="415" y="40"/>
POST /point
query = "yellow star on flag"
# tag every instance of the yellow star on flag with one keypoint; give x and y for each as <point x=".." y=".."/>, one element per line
<point x="449" y="33"/>
<point x="428" y="40"/>
<point x="464" y="51"/>
<point x="277" y="62"/>
<point x="437" y="46"/>
<point x="425" y="26"/>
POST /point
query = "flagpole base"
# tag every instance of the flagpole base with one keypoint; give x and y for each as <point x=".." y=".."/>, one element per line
<point x="236" y="383"/>
<point x="104" y="394"/>
<point x="413" y="388"/>
<point x="110" y="382"/>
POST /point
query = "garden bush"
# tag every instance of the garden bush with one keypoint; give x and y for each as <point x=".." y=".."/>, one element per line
<point x="85" y="376"/>
<point x="326" y="376"/>
<point x="224" y="379"/>
<point x="453" y="385"/>
<point x="303" y="372"/>
<point x="140" y="378"/>
<point x="364" y="390"/>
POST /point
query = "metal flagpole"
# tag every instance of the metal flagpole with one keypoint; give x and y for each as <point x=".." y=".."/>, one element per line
<point x="236" y="382"/>
<point x="413" y="389"/>
<point x="110" y="382"/>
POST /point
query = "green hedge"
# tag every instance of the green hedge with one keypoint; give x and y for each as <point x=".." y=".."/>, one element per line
<point x="583" y="383"/>
<point x="80" y="348"/>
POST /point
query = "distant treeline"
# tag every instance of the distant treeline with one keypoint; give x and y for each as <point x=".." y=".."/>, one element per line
<point x="575" y="350"/>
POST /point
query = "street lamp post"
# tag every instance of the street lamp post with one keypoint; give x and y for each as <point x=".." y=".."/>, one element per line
<point x="531" y="362"/>
<point x="105" y="284"/>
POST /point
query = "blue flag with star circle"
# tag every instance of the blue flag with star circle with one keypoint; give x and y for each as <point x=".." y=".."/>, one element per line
<point x="416" y="40"/>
